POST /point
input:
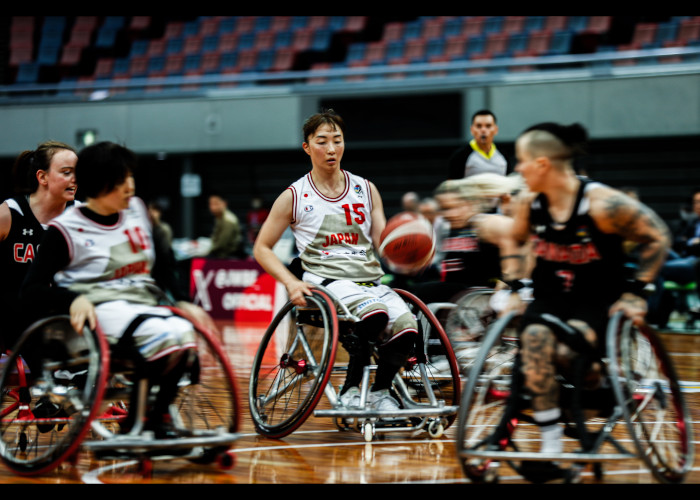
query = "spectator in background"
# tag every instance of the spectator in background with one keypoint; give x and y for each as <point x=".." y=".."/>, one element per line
<point x="409" y="201"/>
<point x="430" y="209"/>
<point x="255" y="217"/>
<point x="155" y="211"/>
<point x="227" y="237"/>
<point x="480" y="155"/>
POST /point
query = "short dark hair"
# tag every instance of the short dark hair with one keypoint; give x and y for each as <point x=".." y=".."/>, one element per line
<point x="484" y="112"/>
<point x="103" y="166"/>
<point x="327" y="116"/>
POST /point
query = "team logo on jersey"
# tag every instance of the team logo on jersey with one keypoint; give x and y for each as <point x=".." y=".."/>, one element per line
<point x="582" y="233"/>
<point x="358" y="190"/>
<point x="308" y="208"/>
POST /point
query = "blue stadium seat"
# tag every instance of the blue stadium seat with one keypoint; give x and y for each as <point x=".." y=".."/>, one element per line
<point x="453" y="27"/>
<point x="246" y="41"/>
<point x="321" y="40"/>
<point x="534" y="23"/>
<point x="518" y="42"/>
<point x="666" y="32"/>
<point x="28" y="73"/>
<point x="475" y="45"/>
<point x="493" y="24"/>
<point x="299" y="22"/>
<point x="356" y="52"/>
<point x="192" y="63"/>
<point x="283" y="39"/>
<point x="560" y="43"/>
<point x="139" y="48"/>
<point x="227" y="25"/>
<point x="395" y="50"/>
<point x="174" y="45"/>
<point x="337" y="23"/>
<point x="412" y="29"/>
<point x="434" y="47"/>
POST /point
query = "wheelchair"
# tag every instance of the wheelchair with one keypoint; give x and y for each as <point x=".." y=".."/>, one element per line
<point x="298" y="362"/>
<point x="65" y="391"/>
<point x="465" y="319"/>
<point x="640" y="401"/>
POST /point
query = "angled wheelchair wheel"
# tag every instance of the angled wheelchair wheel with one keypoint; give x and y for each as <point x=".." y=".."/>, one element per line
<point x="434" y="352"/>
<point x="293" y="365"/>
<point x="208" y="402"/>
<point x="484" y="417"/>
<point x="51" y="389"/>
<point x="467" y="322"/>
<point x="648" y="391"/>
<point x="472" y="315"/>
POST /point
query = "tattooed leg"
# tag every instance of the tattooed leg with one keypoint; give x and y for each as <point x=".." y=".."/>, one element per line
<point x="538" y="351"/>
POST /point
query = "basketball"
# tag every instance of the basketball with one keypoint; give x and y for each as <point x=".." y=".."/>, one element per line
<point x="407" y="243"/>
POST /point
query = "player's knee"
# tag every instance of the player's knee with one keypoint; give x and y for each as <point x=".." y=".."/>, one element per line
<point x="397" y="350"/>
<point x="401" y="339"/>
<point x="372" y="324"/>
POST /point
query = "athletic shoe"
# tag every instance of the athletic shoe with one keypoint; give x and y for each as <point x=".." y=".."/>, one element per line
<point x="351" y="398"/>
<point x="382" y="401"/>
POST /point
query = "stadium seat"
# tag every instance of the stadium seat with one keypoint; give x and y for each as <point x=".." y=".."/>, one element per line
<point x="689" y="30"/>
<point x="28" y="73"/>
<point x="644" y="33"/>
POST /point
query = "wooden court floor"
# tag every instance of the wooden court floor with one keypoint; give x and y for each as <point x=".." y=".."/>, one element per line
<point x="319" y="453"/>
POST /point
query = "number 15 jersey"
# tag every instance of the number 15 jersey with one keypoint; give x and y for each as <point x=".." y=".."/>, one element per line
<point x="333" y="234"/>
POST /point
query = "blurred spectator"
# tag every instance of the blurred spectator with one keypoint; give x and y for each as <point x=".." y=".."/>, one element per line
<point x="227" y="237"/>
<point x="480" y="155"/>
<point x="409" y="201"/>
<point x="430" y="209"/>
<point x="255" y="217"/>
<point x="160" y="227"/>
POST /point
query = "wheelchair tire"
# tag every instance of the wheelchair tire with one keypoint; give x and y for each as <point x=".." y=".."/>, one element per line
<point x="435" y="351"/>
<point x="51" y="391"/>
<point x="647" y="389"/>
<point x="481" y="420"/>
<point x="208" y="398"/>
<point x="293" y="365"/>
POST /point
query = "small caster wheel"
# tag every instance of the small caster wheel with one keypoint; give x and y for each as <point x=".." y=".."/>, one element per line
<point x="436" y="429"/>
<point x="368" y="431"/>
<point x="227" y="460"/>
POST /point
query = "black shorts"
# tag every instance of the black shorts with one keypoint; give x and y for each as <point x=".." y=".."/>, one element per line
<point x="594" y="314"/>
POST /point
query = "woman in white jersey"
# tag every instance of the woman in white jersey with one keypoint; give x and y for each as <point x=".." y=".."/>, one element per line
<point x="99" y="263"/>
<point x="337" y="218"/>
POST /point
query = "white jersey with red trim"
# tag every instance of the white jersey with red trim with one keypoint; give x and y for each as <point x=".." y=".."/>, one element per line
<point x="109" y="262"/>
<point x="333" y="234"/>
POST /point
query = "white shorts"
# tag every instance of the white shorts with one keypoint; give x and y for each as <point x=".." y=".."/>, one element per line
<point x="364" y="301"/>
<point x="155" y="337"/>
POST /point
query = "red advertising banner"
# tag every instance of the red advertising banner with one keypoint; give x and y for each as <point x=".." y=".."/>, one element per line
<point x="233" y="289"/>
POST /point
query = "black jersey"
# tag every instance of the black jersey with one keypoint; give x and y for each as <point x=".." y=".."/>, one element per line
<point x="469" y="261"/>
<point x="17" y="252"/>
<point x="575" y="259"/>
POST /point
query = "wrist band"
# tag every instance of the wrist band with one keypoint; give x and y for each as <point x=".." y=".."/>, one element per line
<point x="516" y="285"/>
<point x="637" y="287"/>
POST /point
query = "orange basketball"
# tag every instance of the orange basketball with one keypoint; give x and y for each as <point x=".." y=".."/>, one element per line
<point x="407" y="243"/>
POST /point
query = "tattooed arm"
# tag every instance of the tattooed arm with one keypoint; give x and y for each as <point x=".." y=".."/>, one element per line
<point x="617" y="213"/>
